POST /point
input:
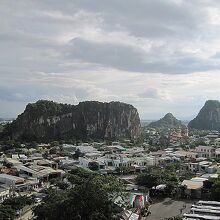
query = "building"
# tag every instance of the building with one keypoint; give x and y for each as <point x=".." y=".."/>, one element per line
<point x="205" y="151"/>
<point x="217" y="154"/>
<point x="92" y="164"/>
<point x="39" y="172"/>
<point x="194" y="187"/>
<point x="205" y="210"/>
<point x="186" y="154"/>
<point x="10" y="180"/>
<point x="202" y="167"/>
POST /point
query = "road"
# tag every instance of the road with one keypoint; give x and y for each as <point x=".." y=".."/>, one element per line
<point x="26" y="216"/>
<point x="168" y="208"/>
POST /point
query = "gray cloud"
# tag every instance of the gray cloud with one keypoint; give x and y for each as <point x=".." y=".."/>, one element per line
<point x="133" y="59"/>
<point x="149" y="18"/>
<point x="150" y="94"/>
<point x="112" y="55"/>
<point x="109" y="50"/>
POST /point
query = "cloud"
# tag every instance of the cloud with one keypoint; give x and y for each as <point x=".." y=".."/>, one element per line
<point x="110" y="55"/>
<point x="159" y="55"/>
<point x="150" y="94"/>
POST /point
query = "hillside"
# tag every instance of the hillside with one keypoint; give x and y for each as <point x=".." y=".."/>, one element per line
<point x="168" y="121"/>
<point x="208" y="117"/>
<point x="46" y="120"/>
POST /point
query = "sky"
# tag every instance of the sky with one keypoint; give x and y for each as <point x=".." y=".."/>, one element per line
<point x="158" y="55"/>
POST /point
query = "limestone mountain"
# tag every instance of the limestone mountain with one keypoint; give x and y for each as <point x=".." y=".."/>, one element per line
<point x="208" y="117"/>
<point x="168" y="121"/>
<point x="46" y="120"/>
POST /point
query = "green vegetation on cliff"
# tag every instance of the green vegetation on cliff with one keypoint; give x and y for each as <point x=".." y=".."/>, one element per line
<point x="168" y="121"/>
<point x="47" y="120"/>
<point x="47" y="108"/>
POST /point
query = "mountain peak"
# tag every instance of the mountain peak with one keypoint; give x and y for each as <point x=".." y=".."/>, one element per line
<point x="168" y="115"/>
<point x="48" y="120"/>
<point x="212" y="103"/>
<point x="168" y="121"/>
<point x="208" y="117"/>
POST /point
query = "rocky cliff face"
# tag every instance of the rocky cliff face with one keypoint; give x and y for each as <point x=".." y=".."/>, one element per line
<point x="168" y="121"/>
<point x="45" y="120"/>
<point x="208" y="117"/>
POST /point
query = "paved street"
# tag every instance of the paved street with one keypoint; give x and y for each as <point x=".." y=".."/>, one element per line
<point x="168" y="208"/>
<point x="27" y="215"/>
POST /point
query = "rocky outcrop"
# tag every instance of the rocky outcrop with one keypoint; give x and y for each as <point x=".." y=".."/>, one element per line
<point x="46" y="120"/>
<point x="208" y="117"/>
<point x="168" y="121"/>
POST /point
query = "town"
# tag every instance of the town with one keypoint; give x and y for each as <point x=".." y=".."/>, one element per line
<point x="186" y="171"/>
<point x="109" y="110"/>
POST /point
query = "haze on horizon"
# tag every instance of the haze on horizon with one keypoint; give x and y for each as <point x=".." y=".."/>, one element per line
<point x="159" y="55"/>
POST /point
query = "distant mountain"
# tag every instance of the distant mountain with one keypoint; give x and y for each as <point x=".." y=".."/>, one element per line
<point x="208" y="117"/>
<point x="6" y="119"/>
<point x="47" y="120"/>
<point x="145" y="122"/>
<point x="168" y="121"/>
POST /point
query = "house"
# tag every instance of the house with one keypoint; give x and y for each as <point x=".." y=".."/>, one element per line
<point x="145" y="160"/>
<point x="217" y="154"/>
<point x="69" y="147"/>
<point x="205" y="151"/>
<point x="47" y="163"/>
<point x="194" y="187"/>
<point x="186" y="154"/>
<point x="67" y="163"/>
<point x="12" y="161"/>
<point x="40" y="172"/>
<point x="85" y="149"/>
<point x="10" y="180"/>
<point x="117" y="160"/>
<point x="122" y="162"/>
<point x="91" y="164"/>
<point x="115" y="149"/>
<point x="202" y="167"/>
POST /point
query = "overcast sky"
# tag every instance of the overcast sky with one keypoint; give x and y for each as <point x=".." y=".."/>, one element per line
<point x="159" y="55"/>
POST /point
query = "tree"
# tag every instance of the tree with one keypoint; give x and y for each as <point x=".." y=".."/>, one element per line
<point x="156" y="176"/>
<point x="78" y="154"/>
<point x="215" y="190"/>
<point x="211" y="188"/>
<point x="18" y="203"/>
<point x="59" y="183"/>
<point x="148" y="179"/>
<point x="93" y="166"/>
<point x="122" y="170"/>
<point x="53" y="150"/>
<point x="54" y="143"/>
<point x="83" y="202"/>
<point x="91" y="198"/>
<point x="9" y="207"/>
<point x="6" y="212"/>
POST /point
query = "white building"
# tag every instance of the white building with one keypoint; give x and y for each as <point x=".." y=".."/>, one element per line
<point x="40" y="172"/>
<point x="202" y="167"/>
<point x="205" y="151"/>
<point x="10" y="180"/>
